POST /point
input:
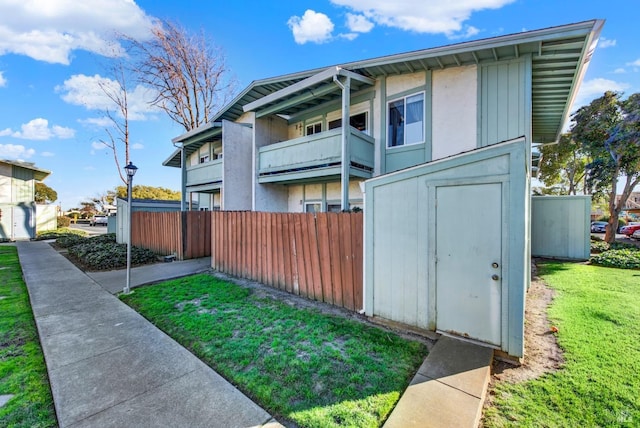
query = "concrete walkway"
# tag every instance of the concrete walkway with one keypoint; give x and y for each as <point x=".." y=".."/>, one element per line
<point x="114" y="280"/>
<point x="109" y="367"/>
<point x="448" y="390"/>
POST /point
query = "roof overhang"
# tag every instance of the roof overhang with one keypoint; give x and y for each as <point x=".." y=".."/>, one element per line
<point x="38" y="173"/>
<point x="307" y="93"/>
<point x="192" y="141"/>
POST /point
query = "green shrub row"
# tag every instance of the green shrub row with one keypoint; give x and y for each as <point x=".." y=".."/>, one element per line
<point x="103" y="253"/>
<point x="59" y="233"/>
<point x="625" y="259"/>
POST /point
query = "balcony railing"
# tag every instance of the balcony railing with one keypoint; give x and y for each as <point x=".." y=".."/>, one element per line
<point x="315" y="156"/>
<point x="204" y="173"/>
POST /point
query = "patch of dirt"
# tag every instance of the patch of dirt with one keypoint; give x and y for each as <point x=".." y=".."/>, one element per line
<point x="542" y="353"/>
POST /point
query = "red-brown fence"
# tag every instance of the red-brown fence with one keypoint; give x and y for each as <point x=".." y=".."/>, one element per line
<point x="186" y="234"/>
<point x="318" y="256"/>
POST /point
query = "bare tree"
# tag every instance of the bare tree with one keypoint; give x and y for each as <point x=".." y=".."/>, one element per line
<point x="116" y="91"/>
<point x="188" y="74"/>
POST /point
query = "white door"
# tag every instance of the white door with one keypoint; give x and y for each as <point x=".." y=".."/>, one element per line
<point x="469" y="261"/>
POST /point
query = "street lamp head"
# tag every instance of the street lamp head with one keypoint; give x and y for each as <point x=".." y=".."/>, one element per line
<point x="131" y="169"/>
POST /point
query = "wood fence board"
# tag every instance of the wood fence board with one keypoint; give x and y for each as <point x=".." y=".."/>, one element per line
<point x="357" y="234"/>
<point x="286" y="255"/>
<point x="325" y="257"/>
<point x="347" y="256"/>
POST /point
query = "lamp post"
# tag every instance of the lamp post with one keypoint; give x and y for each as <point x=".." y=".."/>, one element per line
<point x="131" y="171"/>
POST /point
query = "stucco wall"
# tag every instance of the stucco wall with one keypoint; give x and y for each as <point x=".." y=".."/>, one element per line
<point x="237" y="175"/>
<point x="268" y="197"/>
<point x="455" y="112"/>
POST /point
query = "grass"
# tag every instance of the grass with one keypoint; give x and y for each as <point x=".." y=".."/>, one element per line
<point x="314" y="369"/>
<point x="22" y="368"/>
<point x="597" y="312"/>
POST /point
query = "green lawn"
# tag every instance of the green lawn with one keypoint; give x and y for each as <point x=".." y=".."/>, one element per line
<point x="597" y="312"/>
<point x="314" y="369"/>
<point x="22" y="369"/>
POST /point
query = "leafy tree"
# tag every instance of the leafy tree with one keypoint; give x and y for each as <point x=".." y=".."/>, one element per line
<point x="562" y="166"/>
<point x="88" y="209"/>
<point x="44" y="194"/>
<point x="187" y="72"/>
<point x="148" y="192"/>
<point x="609" y="131"/>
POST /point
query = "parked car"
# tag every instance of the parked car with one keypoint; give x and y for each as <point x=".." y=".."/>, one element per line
<point x="598" y="226"/>
<point x="630" y="229"/>
<point x="98" y="220"/>
<point x="636" y="235"/>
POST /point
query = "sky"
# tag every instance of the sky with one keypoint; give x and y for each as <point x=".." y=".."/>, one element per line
<point x="54" y="54"/>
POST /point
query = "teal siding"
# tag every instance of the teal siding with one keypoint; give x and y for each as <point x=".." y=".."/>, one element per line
<point x="560" y="227"/>
<point x="23" y="185"/>
<point x="505" y="106"/>
<point x="400" y="228"/>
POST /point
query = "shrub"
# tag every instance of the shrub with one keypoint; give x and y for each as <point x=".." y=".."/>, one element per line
<point x="599" y="246"/>
<point x="58" y="233"/>
<point x="64" y="222"/>
<point x="627" y="258"/>
<point x="103" y="253"/>
<point x="67" y="241"/>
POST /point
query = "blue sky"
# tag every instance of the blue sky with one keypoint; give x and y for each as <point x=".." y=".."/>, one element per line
<point x="52" y="58"/>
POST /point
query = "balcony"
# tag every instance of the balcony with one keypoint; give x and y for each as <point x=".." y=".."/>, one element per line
<point x="207" y="175"/>
<point x="315" y="156"/>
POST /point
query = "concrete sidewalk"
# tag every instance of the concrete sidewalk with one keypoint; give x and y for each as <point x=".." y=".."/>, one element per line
<point x="109" y="367"/>
<point x="114" y="280"/>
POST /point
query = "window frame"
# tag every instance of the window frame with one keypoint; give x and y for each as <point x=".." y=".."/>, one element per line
<point x="313" y="126"/>
<point x="404" y="134"/>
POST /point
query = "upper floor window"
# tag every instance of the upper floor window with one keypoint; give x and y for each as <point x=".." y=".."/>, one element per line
<point x="314" y="128"/>
<point x="406" y="121"/>
<point x="358" y="121"/>
<point x="204" y="158"/>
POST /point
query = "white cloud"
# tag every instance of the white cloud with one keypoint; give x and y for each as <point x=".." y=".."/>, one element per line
<point x="595" y="88"/>
<point x="97" y="145"/>
<point x="313" y="27"/>
<point x="606" y="43"/>
<point x="3" y="80"/>
<point x="50" y="30"/>
<point x="100" y="122"/>
<point x="15" y="151"/>
<point x="137" y="146"/>
<point x="619" y="71"/>
<point x="434" y="17"/>
<point x="348" y="36"/>
<point x="38" y="129"/>
<point x="47" y="154"/>
<point x="635" y="63"/>
<point x="87" y="91"/>
<point x="359" y="23"/>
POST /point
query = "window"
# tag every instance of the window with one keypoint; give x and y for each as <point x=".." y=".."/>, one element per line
<point x="313" y="207"/>
<point x="334" y="208"/>
<point x="358" y="121"/>
<point x="406" y="121"/>
<point x="314" y="128"/>
<point x="204" y="158"/>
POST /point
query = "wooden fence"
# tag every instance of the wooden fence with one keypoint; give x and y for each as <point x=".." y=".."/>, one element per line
<point x="186" y="234"/>
<point x="318" y="256"/>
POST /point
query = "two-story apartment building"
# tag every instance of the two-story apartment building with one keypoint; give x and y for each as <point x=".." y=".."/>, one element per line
<point x="280" y="145"/>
